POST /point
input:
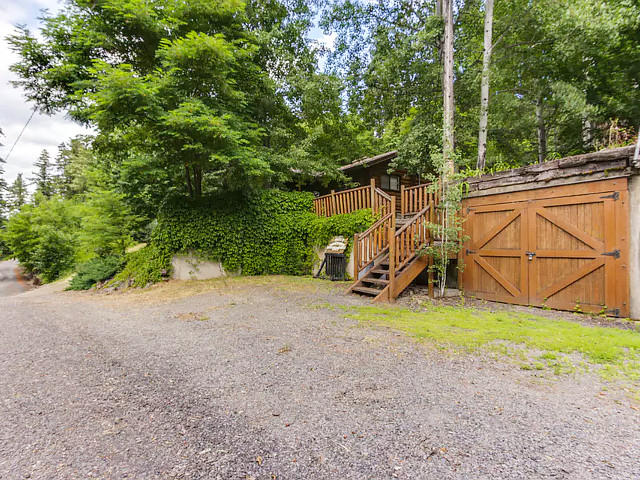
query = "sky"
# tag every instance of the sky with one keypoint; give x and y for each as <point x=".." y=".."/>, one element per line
<point x="43" y="132"/>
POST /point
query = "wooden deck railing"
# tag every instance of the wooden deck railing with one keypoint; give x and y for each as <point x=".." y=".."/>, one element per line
<point x="352" y="200"/>
<point x="414" y="199"/>
<point x="383" y="203"/>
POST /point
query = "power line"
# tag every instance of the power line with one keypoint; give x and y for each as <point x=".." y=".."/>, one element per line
<point x="20" y="135"/>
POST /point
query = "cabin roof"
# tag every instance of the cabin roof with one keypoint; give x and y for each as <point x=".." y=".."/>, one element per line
<point x="368" y="162"/>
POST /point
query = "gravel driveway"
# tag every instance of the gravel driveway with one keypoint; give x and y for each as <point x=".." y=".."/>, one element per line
<point x="257" y="382"/>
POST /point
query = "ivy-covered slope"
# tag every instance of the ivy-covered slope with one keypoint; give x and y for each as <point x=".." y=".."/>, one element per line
<point x="270" y="232"/>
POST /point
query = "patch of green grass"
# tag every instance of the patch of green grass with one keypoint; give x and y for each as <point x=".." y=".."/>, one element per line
<point x="477" y="329"/>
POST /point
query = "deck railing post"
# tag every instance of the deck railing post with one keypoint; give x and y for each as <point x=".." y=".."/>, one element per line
<point x="373" y="196"/>
<point x="333" y="203"/>
<point x="402" y="201"/>
<point x="392" y="261"/>
<point x="356" y="256"/>
<point x="392" y="250"/>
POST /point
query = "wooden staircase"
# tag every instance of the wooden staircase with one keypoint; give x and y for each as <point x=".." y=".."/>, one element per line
<point x="387" y="256"/>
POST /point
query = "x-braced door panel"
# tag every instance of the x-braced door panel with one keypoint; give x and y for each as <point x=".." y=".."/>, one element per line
<point x="495" y="260"/>
<point x="573" y="241"/>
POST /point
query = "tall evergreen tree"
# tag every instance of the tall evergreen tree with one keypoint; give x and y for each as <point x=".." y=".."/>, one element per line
<point x="72" y="165"/>
<point x="17" y="194"/>
<point x="44" y="176"/>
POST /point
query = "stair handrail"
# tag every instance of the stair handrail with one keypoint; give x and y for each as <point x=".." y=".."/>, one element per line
<point x="416" y="230"/>
<point x="373" y="242"/>
<point x="382" y="202"/>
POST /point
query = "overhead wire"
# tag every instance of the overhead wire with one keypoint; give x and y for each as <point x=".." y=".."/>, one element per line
<point x="20" y="134"/>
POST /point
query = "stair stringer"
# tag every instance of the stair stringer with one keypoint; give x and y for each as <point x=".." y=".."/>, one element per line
<point x="382" y="256"/>
<point x="408" y="274"/>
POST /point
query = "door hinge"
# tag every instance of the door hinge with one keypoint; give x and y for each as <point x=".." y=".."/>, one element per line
<point x="614" y="254"/>
<point x="469" y="209"/>
<point x="614" y="195"/>
<point x="469" y="252"/>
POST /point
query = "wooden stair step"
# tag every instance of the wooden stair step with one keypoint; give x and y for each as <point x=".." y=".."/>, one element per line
<point x="379" y="270"/>
<point x="377" y="281"/>
<point x="366" y="290"/>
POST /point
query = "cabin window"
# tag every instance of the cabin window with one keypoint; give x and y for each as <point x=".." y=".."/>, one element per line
<point x="390" y="182"/>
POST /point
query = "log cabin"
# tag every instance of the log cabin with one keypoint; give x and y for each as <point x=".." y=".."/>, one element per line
<point x="379" y="169"/>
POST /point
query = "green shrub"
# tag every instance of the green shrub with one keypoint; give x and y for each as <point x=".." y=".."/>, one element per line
<point x="44" y="237"/>
<point x="323" y="229"/>
<point x="270" y="232"/>
<point x="145" y="266"/>
<point x="95" y="270"/>
<point x="55" y="253"/>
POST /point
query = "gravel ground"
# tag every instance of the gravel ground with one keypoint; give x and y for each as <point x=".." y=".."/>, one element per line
<point x="257" y="382"/>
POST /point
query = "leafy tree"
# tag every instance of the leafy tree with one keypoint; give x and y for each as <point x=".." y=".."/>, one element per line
<point x="43" y="237"/>
<point x="4" y="206"/>
<point x="44" y="177"/>
<point x="562" y="73"/>
<point x="198" y="86"/>
<point x="107" y="224"/>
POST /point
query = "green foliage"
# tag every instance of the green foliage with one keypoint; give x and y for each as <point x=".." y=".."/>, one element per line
<point x="262" y="233"/>
<point x="323" y="229"/>
<point x="44" y="237"/>
<point x="144" y="266"/>
<point x="271" y="232"/>
<point x="44" y="177"/>
<point x="96" y="270"/>
<point x="578" y="59"/>
<point x="16" y="194"/>
<point x="205" y="89"/>
<point x="107" y="223"/>
<point x="52" y="235"/>
<point x="75" y="165"/>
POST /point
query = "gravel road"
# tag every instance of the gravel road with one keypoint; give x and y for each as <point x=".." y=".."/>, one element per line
<point x="257" y="382"/>
<point x="9" y="283"/>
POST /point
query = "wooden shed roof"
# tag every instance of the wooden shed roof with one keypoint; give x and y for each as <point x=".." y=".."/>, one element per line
<point x="368" y="162"/>
<point x="588" y="167"/>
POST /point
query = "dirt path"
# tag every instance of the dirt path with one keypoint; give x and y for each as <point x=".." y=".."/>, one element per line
<point x="259" y="382"/>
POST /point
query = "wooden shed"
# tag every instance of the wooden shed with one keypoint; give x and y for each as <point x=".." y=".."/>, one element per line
<point x="563" y="234"/>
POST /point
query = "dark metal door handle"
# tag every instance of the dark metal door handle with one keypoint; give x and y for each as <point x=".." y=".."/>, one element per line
<point x="530" y="255"/>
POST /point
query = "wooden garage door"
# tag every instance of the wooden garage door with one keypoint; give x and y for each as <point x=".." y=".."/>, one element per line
<point x="568" y="251"/>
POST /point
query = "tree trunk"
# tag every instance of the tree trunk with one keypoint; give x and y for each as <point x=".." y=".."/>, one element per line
<point x="448" y="166"/>
<point x="187" y="174"/>
<point x="542" y="130"/>
<point x="484" y="88"/>
<point x="197" y="181"/>
<point x="447" y="86"/>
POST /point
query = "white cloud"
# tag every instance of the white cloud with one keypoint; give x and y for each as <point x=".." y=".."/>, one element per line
<point x="327" y="40"/>
<point x="43" y="132"/>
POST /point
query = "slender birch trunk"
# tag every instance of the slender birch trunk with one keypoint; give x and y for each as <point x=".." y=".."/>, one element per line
<point x="447" y="85"/>
<point x="484" y="88"/>
<point x="448" y="134"/>
<point x="542" y="130"/>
